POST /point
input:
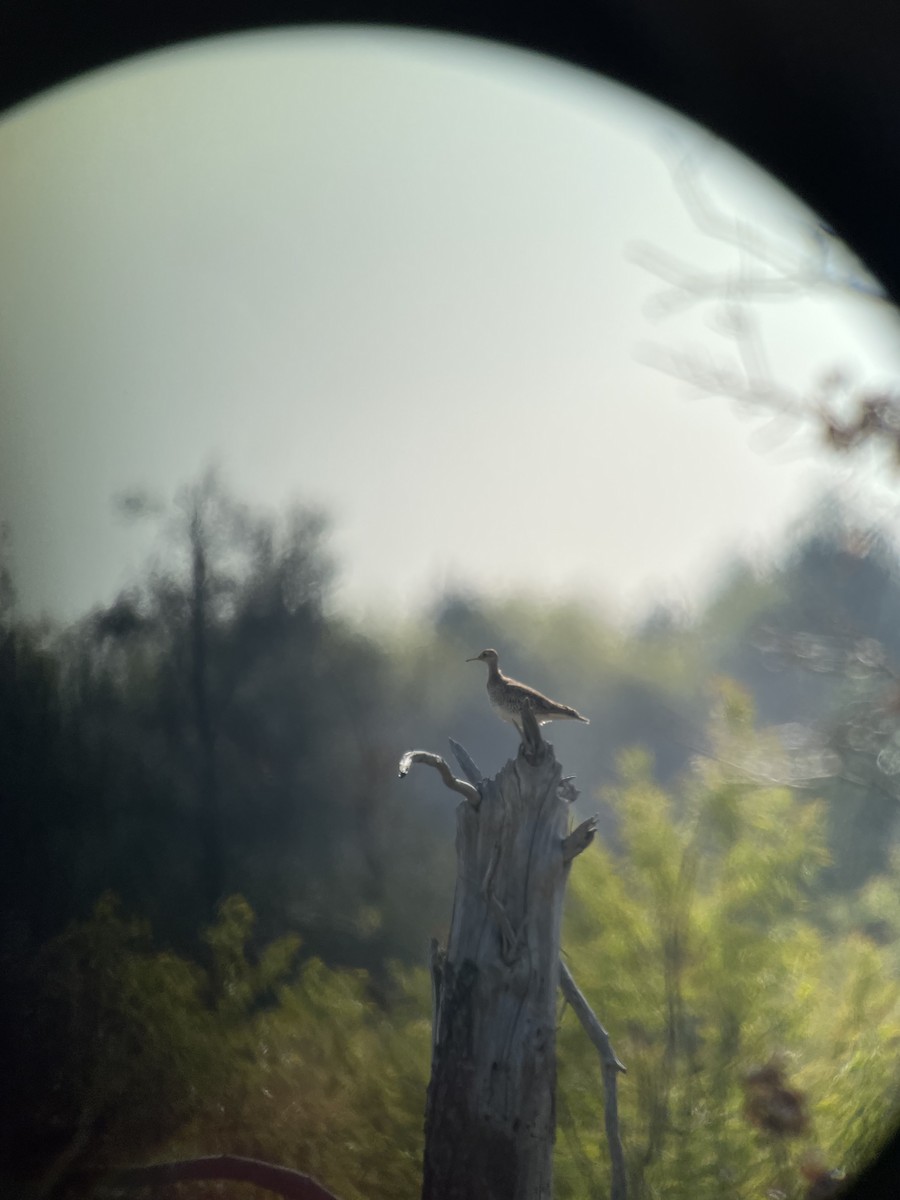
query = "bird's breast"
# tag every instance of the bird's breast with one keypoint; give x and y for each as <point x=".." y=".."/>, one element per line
<point x="503" y="711"/>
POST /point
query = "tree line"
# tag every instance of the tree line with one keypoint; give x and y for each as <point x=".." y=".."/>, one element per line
<point x="217" y="898"/>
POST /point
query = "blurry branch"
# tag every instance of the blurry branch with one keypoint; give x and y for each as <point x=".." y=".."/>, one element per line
<point x="757" y="770"/>
<point x="868" y="727"/>
<point x="610" y="1067"/>
<point x="845" y="417"/>
<point x="281" y="1180"/>
<point x="866" y="730"/>
<point x="862" y="658"/>
<point x="764" y="270"/>
<point x="848" y="418"/>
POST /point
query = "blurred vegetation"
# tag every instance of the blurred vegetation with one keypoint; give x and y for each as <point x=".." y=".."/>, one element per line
<point x="701" y="943"/>
<point x="217" y="896"/>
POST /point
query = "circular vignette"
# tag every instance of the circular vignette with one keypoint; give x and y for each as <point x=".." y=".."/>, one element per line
<point x="810" y="91"/>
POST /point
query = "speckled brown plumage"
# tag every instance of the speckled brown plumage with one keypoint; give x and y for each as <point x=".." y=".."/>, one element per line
<point x="508" y="697"/>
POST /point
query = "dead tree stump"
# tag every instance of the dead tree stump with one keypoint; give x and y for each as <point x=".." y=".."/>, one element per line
<point x="490" y="1112"/>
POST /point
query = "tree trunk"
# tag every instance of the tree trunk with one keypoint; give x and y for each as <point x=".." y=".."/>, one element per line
<point x="490" y="1113"/>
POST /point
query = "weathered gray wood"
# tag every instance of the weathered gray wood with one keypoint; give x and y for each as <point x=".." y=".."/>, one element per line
<point x="490" y="1116"/>
<point x="580" y="838"/>
<point x="462" y="756"/>
<point x="434" y="760"/>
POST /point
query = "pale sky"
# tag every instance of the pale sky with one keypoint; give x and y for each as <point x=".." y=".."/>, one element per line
<point x="388" y="273"/>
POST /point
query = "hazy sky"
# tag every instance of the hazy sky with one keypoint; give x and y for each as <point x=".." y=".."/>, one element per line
<point x="386" y="272"/>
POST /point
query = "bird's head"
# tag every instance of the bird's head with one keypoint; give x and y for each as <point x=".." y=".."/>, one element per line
<point x="488" y="656"/>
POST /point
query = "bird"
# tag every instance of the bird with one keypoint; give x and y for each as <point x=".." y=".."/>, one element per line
<point x="508" y="697"/>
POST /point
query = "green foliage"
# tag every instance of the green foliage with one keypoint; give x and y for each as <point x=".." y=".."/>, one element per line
<point x="148" y="1056"/>
<point x="702" y="950"/>
<point x="329" y="1082"/>
<point x="112" y="1045"/>
<point x="697" y="939"/>
<point x="220" y="731"/>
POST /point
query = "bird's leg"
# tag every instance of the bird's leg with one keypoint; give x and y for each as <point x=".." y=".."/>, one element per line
<point x="532" y="742"/>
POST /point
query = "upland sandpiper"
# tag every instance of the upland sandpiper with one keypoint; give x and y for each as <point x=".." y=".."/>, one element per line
<point x="508" y="697"/>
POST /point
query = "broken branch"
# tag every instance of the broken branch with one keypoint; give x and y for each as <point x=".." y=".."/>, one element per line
<point x="469" y="768"/>
<point x="579" y="839"/>
<point x="292" y="1185"/>
<point x="610" y="1067"/>
<point x="434" y="760"/>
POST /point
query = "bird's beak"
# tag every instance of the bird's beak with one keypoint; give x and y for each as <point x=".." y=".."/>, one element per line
<point x="475" y="659"/>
